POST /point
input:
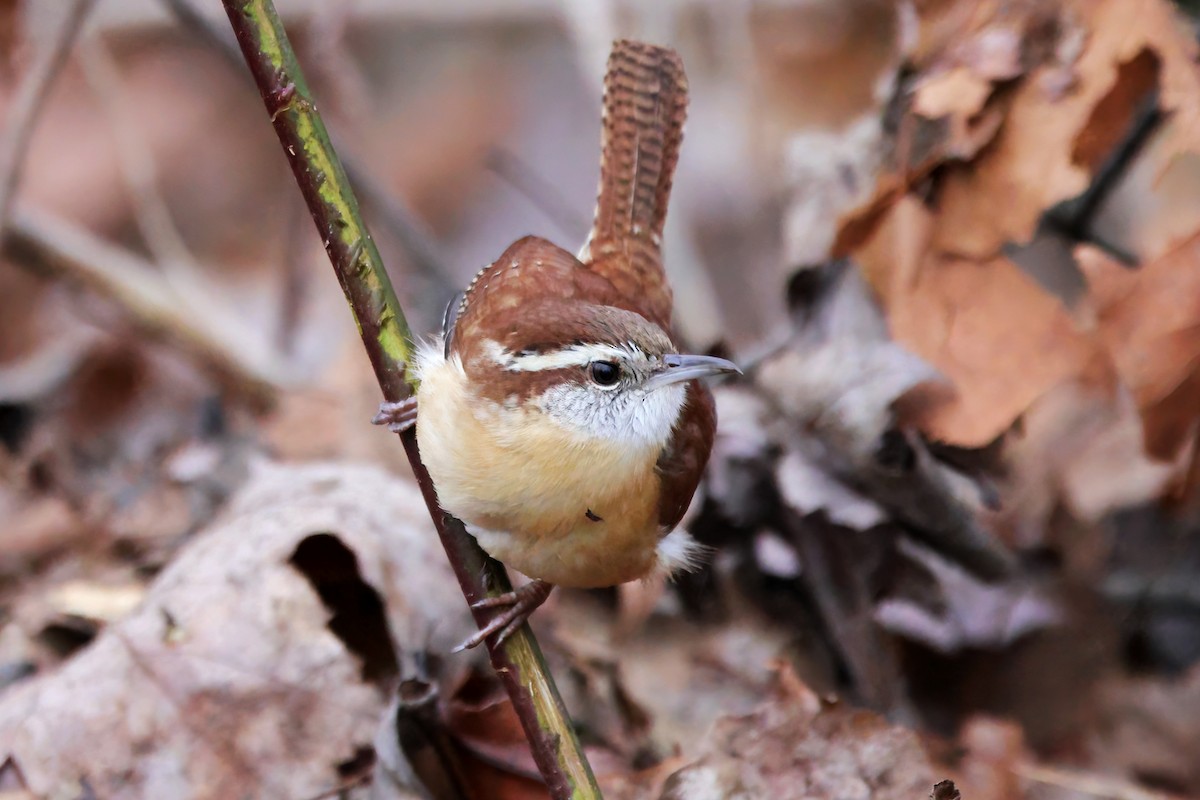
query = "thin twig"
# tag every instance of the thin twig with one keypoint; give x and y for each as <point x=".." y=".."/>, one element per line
<point x="397" y="216"/>
<point x="31" y="96"/>
<point x="387" y="339"/>
<point x="46" y="243"/>
<point x="331" y="69"/>
<point x="43" y="242"/>
<point x="151" y="213"/>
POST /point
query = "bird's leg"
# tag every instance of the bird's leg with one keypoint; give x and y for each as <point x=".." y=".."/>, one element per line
<point x="517" y="604"/>
<point x="398" y="417"/>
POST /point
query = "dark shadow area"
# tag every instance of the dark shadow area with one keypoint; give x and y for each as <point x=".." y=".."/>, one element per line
<point x="358" y="615"/>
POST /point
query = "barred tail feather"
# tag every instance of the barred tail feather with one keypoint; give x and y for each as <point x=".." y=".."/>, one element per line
<point x="645" y="106"/>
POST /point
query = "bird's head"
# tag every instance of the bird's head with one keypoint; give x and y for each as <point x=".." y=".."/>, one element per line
<point x="600" y="371"/>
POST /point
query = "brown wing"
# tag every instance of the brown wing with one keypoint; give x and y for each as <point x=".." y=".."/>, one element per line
<point x="645" y="105"/>
<point x="681" y="464"/>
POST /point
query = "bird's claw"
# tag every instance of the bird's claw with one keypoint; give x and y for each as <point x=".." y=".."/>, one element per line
<point x="517" y="604"/>
<point x="398" y="417"/>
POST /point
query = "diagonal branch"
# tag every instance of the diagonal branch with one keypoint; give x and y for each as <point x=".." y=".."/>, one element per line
<point x="151" y="212"/>
<point x="386" y="336"/>
<point x="31" y="95"/>
<point x="42" y="242"/>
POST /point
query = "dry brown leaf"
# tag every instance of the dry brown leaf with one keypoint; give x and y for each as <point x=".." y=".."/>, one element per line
<point x="959" y="96"/>
<point x="990" y="37"/>
<point x="1087" y="67"/>
<point x="995" y="334"/>
<point x="797" y="747"/>
<point x="827" y="173"/>
<point x="950" y="295"/>
<point x="809" y="489"/>
<point x="594" y="688"/>
<point x="1149" y="319"/>
<point x="1083" y="451"/>
<point x="496" y="760"/>
<point x="951" y="110"/>
<point x="819" y="69"/>
<point x="1155" y="205"/>
<point x="1158" y="27"/>
<point x="843" y="375"/>
<point x="640" y="784"/>
<point x="682" y="674"/>
<point x="1051" y="141"/>
<point x="959" y="92"/>
<point x="1103" y="132"/>
<point x="481" y="718"/>
<point x="240" y="674"/>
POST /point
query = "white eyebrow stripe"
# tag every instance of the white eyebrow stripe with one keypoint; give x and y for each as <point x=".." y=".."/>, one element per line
<point x="576" y="355"/>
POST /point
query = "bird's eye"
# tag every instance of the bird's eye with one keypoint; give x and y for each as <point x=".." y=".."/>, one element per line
<point x="605" y="373"/>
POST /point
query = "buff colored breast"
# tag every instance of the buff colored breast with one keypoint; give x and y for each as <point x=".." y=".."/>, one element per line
<point x="534" y="518"/>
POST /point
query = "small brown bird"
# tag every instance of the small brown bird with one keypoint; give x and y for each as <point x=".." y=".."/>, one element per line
<point x="555" y="415"/>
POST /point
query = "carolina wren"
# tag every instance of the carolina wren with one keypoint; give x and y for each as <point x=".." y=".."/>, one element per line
<point x="555" y="415"/>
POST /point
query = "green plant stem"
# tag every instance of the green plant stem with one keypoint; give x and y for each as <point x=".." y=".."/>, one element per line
<point x="388" y="341"/>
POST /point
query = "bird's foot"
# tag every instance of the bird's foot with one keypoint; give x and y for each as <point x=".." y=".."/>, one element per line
<point x="517" y="605"/>
<point x="398" y="417"/>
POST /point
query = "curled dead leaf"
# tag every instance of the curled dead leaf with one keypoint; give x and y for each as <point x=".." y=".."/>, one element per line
<point x="249" y="667"/>
<point x="1149" y="319"/>
<point x="796" y="747"/>
<point x="994" y="333"/>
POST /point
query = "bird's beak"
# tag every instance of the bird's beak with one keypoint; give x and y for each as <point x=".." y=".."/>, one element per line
<point x="678" y="368"/>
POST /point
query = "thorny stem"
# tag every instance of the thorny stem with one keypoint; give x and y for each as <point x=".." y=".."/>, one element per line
<point x="386" y="336"/>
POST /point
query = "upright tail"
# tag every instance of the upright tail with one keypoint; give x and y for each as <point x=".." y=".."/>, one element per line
<point x="645" y="105"/>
